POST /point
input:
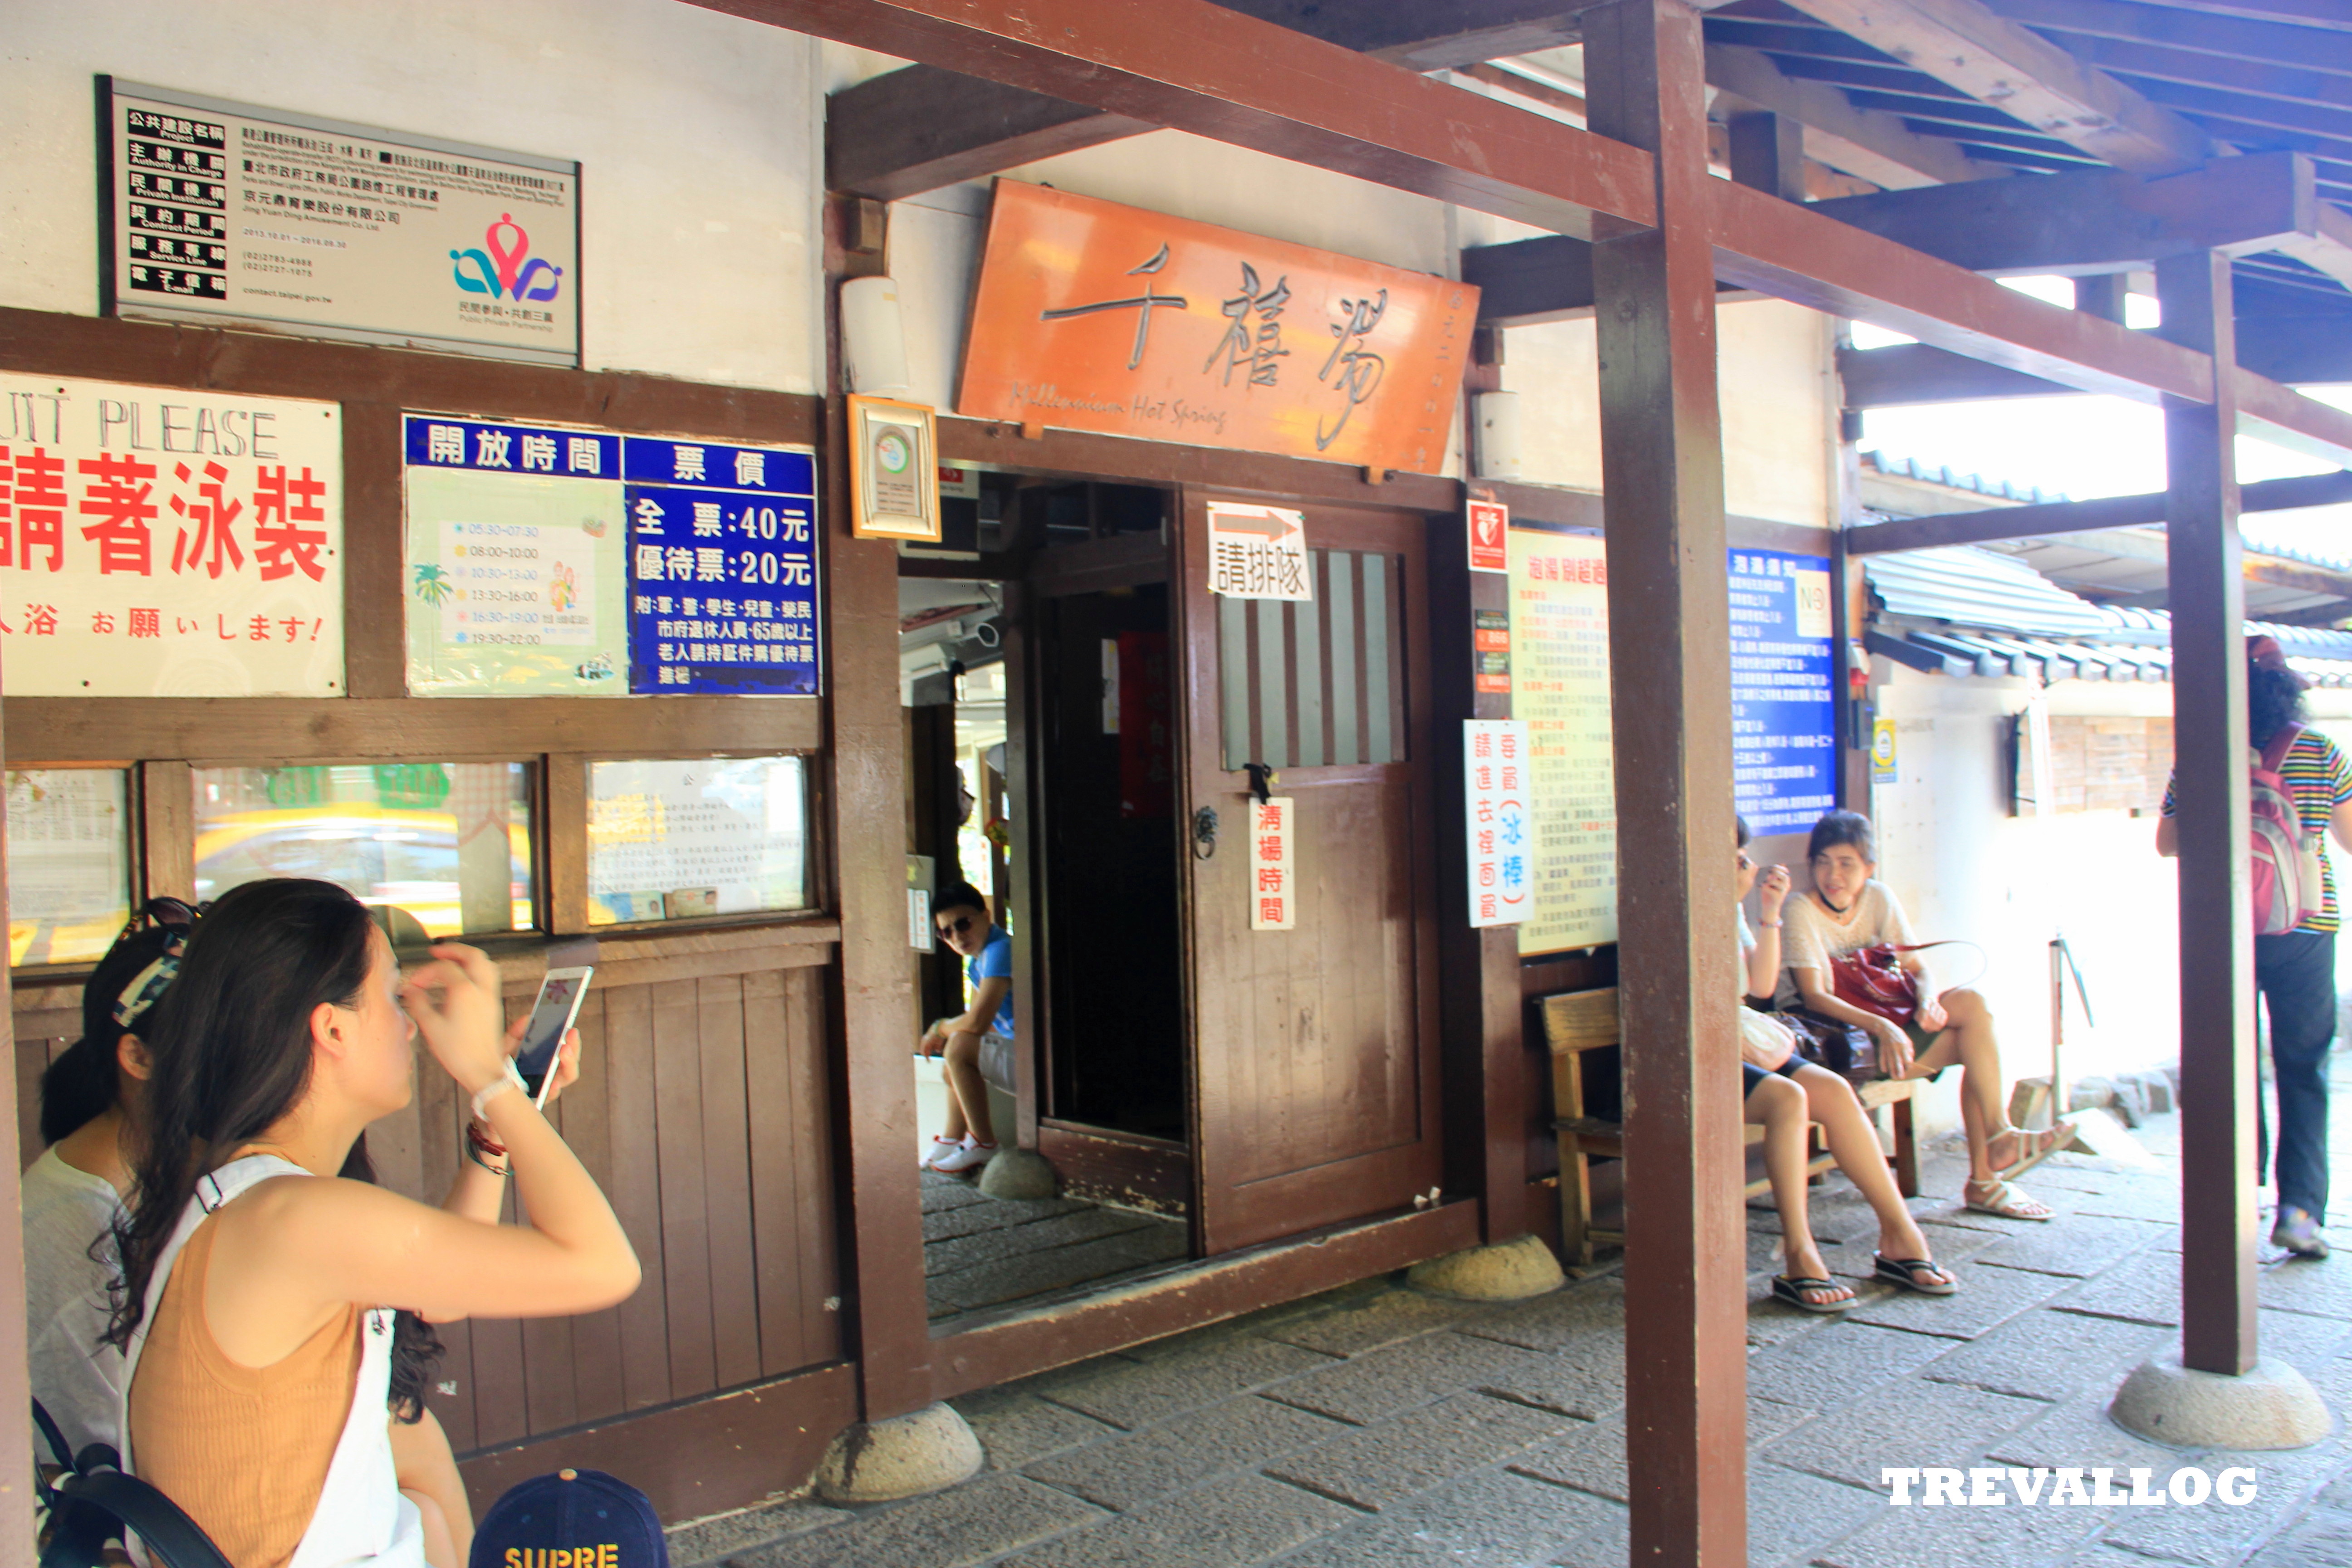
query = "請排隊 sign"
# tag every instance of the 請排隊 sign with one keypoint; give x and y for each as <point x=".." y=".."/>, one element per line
<point x="1258" y="551"/>
<point x="225" y="212"/>
<point x="1094" y="316"/>
<point x="164" y="542"/>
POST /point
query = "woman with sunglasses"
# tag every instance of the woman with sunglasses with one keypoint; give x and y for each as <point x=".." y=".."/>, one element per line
<point x="968" y="1140"/>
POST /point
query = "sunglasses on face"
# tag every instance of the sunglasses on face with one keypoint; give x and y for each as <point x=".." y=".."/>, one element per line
<point x="961" y="925"/>
<point x="170" y="914"/>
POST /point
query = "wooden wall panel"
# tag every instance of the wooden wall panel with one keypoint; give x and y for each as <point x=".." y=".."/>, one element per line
<point x="726" y="1148"/>
<point x="704" y="1111"/>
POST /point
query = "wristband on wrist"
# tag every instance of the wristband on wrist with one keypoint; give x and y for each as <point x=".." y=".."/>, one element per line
<point x="511" y="1079"/>
<point x="1770" y="925"/>
<point x="486" y="1150"/>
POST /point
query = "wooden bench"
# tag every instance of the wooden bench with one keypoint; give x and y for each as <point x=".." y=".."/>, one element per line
<point x="1580" y="1021"/>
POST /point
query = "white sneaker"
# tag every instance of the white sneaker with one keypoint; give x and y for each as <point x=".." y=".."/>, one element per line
<point x="970" y="1157"/>
<point x="941" y="1148"/>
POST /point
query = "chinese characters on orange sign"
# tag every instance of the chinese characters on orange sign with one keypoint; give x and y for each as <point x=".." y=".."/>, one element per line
<point x="1495" y="792"/>
<point x="1274" y="893"/>
<point x="159" y="542"/>
<point x="1559" y="668"/>
<point x="1095" y="316"/>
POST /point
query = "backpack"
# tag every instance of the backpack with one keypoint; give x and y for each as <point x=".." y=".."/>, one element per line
<point x="2288" y="880"/>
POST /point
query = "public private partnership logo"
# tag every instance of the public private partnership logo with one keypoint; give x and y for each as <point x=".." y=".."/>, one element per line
<point x="1997" y="1488"/>
<point x="507" y="270"/>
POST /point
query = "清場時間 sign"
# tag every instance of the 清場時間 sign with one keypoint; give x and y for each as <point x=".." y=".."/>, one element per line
<point x="221" y="211"/>
<point x="1495" y="793"/>
<point x="1094" y="316"/>
<point x="1784" y="718"/>
<point x="156" y="543"/>
<point x="554" y="560"/>
<point x="1273" y="885"/>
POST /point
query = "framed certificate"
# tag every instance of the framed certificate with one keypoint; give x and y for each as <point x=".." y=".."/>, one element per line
<point x="894" y="471"/>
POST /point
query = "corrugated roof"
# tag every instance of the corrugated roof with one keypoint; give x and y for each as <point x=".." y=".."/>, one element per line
<point x="2000" y="490"/>
<point x="1971" y="588"/>
<point x="1976" y="612"/>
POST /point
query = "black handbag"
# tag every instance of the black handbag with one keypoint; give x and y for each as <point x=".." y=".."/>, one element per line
<point x="1845" y="1049"/>
<point x="93" y="1502"/>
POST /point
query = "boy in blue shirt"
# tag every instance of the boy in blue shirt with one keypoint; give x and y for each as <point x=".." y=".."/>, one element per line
<point x="960" y="916"/>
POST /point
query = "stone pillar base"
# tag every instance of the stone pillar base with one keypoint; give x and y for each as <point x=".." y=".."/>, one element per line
<point x="1018" y="1173"/>
<point x="2271" y="1406"/>
<point x="904" y="1456"/>
<point x="1505" y="1271"/>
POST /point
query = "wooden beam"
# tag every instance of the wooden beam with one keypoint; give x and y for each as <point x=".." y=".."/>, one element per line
<point x="1205" y="69"/>
<point x="1996" y="61"/>
<point x="2106" y="220"/>
<point x="2298" y="349"/>
<point x="922" y="127"/>
<point x="915" y="129"/>
<point x="1874" y="145"/>
<point x="1793" y="253"/>
<point x="2207" y="599"/>
<point x="1662" y="485"/>
<point x="2052" y="520"/>
<point x="2285" y="417"/>
<point x="2230" y="34"/>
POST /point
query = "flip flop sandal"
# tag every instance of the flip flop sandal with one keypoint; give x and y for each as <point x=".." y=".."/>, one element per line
<point x="2039" y="1145"/>
<point x="1905" y="1271"/>
<point x="1793" y="1292"/>
<point x="2005" y="1201"/>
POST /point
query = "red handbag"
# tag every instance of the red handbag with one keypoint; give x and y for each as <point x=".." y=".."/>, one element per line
<point x="1874" y="979"/>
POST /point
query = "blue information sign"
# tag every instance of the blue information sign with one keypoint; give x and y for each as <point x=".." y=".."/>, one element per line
<point x="1783" y="714"/>
<point x="721" y="556"/>
<point x="722" y="568"/>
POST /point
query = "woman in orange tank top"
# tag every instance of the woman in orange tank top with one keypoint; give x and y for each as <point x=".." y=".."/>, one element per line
<point x="258" y="1286"/>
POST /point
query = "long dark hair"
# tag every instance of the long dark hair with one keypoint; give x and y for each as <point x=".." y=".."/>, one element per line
<point x="86" y="1081"/>
<point x="232" y="1049"/>
<point x="2273" y="701"/>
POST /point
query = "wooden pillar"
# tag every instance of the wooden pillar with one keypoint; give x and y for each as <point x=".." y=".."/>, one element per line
<point x="2102" y="295"/>
<point x="2217" y="947"/>
<point x="1488" y="1088"/>
<point x="1768" y="152"/>
<point x="16" y="1372"/>
<point x="1670" y="683"/>
<point x="877" y="1021"/>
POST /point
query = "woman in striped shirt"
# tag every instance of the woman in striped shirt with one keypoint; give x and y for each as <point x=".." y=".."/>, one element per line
<point x="2295" y="969"/>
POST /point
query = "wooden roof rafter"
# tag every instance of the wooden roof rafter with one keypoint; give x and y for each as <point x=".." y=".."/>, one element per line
<point x="1203" y="69"/>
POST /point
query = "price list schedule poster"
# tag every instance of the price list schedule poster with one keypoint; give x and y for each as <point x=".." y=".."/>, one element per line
<point x="1783" y="720"/>
<point x="1559" y="673"/>
<point x="549" y="560"/>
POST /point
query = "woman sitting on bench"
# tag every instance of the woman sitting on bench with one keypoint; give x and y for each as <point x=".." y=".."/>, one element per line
<point x="1849" y="910"/>
<point x="1796" y="1092"/>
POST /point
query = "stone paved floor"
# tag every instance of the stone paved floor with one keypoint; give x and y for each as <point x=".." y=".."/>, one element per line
<point x="980" y="1251"/>
<point x="1374" y="1428"/>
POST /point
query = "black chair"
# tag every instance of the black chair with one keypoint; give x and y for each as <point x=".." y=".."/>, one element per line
<point x="91" y="1502"/>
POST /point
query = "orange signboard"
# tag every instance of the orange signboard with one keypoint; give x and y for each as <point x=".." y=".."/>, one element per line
<point x="1094" y="316"/>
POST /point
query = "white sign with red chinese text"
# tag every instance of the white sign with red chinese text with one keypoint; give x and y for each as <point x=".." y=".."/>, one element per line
<point x="1274" y="891"/>
<point x="1258" y="552"/>
<point x="162" y="543"/>
<point x="1494" y="787"/>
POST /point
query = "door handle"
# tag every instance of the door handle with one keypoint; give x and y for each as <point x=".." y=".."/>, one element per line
<point x="1205" y="833"/>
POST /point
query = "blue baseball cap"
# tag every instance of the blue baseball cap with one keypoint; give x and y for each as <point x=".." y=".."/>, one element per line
<point x="572" y="1519"/>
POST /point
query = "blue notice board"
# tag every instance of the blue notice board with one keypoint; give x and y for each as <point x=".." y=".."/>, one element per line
<point x="722" y="568"/>
<point x="1783" y="704"/>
